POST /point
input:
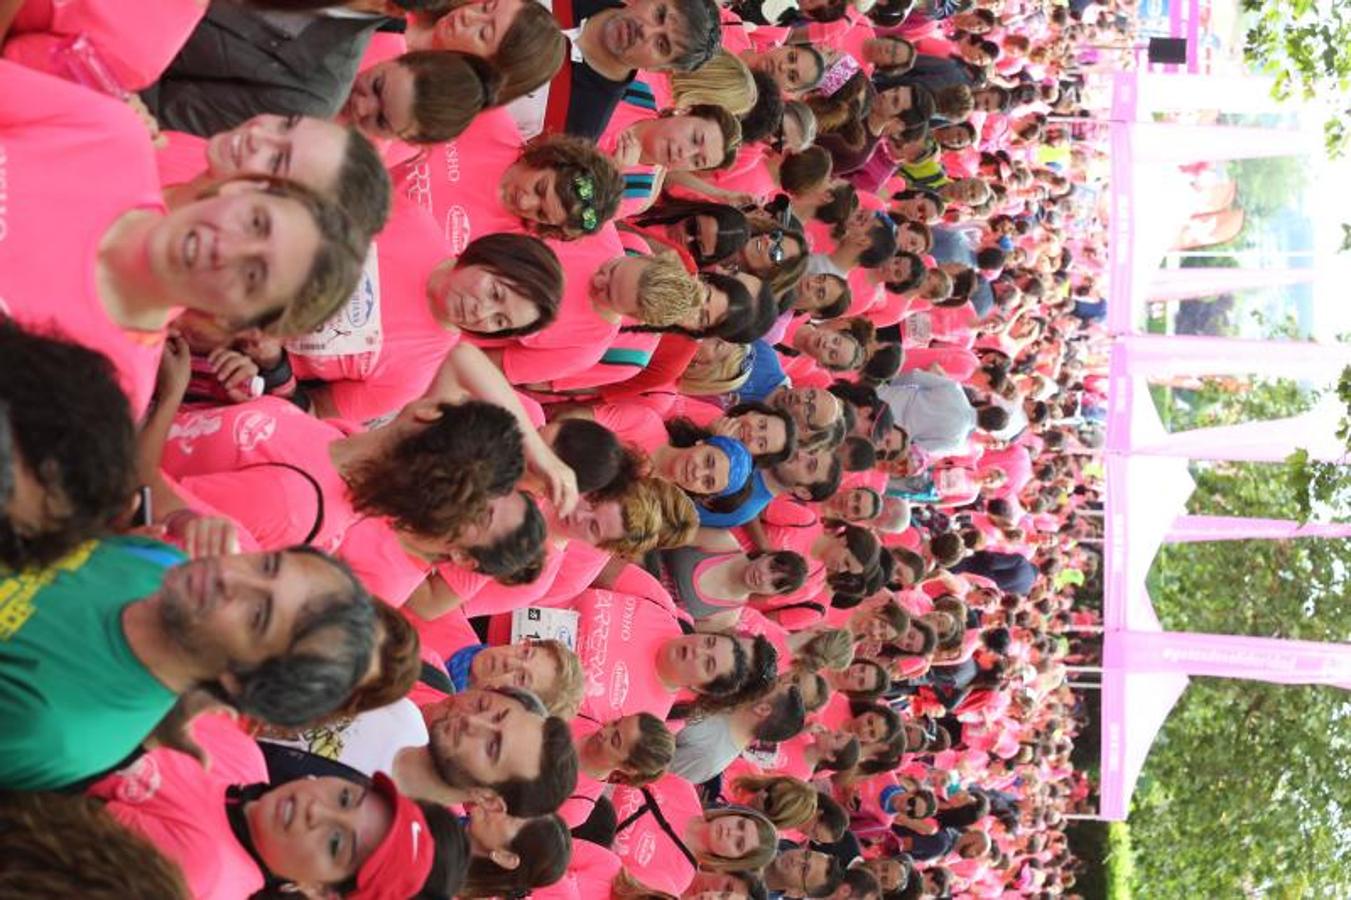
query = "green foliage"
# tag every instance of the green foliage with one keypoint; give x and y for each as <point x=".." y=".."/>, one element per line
<point x="1120" y="861"/>
<point x="1244" y="792"/>
<point x="1323" y="486"/>
<point x="1307" y="47"/>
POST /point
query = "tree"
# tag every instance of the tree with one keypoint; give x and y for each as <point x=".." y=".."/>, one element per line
<point x="1243" y="792"/>
<point x="1306" y="45"/>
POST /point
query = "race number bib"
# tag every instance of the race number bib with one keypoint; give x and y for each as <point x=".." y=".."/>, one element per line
<point x="355" y="328"/>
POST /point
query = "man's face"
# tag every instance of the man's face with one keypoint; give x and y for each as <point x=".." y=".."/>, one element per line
<point x="526" y="665"/>
<point x="592" y="522"/>
<point x="236" y="612"/>
<point x="645" y="34"/>
<point x="683" y="143"/>
<point x="800" y="871"/>
<point x="804" y="467"/>
<point x="481" y="738"/>
<point x="889" y="873"/>
<point x="812" y="409"/>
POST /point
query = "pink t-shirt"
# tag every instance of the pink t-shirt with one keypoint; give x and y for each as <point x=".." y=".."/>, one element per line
<point x="617" y="639"/>
<point x="591" y="872"/>
<point x="181" y="159"/>
<point x="457" y="181"/>
<point x="645" y="848"/>
<point x="171" y="800"/>
<point x="239" y="459"/>
<point x="136" y="48"/>
<point x="578" y="807"/>
<point x="634" y="423"/>
<point x="58" y="142"/>
<point x="384" y="347"/>
<point x="380" y="561"/>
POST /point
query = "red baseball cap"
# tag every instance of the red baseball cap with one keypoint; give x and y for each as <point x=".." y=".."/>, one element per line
<point x="398" y="867"/>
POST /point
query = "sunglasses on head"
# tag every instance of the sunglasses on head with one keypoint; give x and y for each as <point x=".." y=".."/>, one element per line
<point x="776" y="251"/>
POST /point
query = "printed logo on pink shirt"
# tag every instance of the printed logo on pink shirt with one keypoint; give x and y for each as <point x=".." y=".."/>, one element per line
<point x="619" y="684"/>
<point x="417" y="185"/>
<point x="188" y="429"/>
<point x="252" y="428"/>
<point x="646" y="849"/>
<point x="452" y="155"/>
<point x="459" y="231"/>
<point x="140" y="781"/>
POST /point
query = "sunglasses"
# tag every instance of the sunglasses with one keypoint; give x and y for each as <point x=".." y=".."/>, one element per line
<point x="776" y="251"/>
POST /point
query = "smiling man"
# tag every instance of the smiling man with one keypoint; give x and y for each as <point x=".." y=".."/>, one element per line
<point x="95" y="650"/>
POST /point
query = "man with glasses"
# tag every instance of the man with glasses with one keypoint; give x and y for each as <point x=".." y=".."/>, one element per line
<point x="799" y="872"/>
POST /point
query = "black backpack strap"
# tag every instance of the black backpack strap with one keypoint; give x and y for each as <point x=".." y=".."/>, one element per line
<point x="318" y="495"/>
<point x="665" y="826"/>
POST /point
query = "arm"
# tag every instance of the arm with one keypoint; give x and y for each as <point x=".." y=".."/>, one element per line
<point x="433" y="599"/>
<point x="717" y="540"/>
<point x="467" y="368"/>
<point x="8" y="10"/>
<point x="692" y="182"/>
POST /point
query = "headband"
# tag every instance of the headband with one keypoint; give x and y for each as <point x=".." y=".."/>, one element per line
<point x="739" y="463"/>
<point x="398" y="867"/>
<point x="584" y="188"/>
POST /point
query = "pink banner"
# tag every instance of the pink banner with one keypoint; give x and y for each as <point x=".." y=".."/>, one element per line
<point x="1192" y="529"/>
<point x="1231" y="656"/>
<point x="1187" y="284"/>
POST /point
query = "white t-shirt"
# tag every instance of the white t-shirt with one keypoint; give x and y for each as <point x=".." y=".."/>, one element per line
<point x="369" y="742"/>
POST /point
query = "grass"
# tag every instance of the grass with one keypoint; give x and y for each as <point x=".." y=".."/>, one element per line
<point x="1120" y="861"/>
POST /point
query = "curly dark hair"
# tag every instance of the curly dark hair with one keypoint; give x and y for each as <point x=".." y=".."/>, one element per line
<point x="574" y="158"/>
<point x="439" y="479"/>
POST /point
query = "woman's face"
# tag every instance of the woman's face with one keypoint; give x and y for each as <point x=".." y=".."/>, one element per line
<point x="699" y="233"/>
<point x="818" y="291"/>
<point x="759" y="577"/>
<point x="910" y="240"/>
<point x="478" y="299"/>
<point x="831" y="347"/>
<point x="701" y="469"/>
<point x="503" y="516"/>
<point x="857" y="678"/>
<point x="237" y="255"/>
<point x="764" y="252"/>
<point x="869" y="727"/>
<point x="532" y="195"/>
<point x="911" y="641"/>
<point x="381" y="101"/>
<point x="889" y="53"/>
<point x="301" y="148"/>
<point x="838" y="557"/>
<point x="491" y="827"/>
<point x="709" y="313"/>
<point x="875" y="628"/>
<point x="731" y="836"/>
<point x="613" y="743"/>
<point x="317" y="831"/>
<point x="476" y="28"/>
<point x="760" y="433"/>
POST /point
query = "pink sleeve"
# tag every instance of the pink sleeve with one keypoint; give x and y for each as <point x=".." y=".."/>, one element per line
<point x="135" y="48"/>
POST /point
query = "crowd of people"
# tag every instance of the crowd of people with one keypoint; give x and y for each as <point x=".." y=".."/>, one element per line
<point x="599" y="448"/>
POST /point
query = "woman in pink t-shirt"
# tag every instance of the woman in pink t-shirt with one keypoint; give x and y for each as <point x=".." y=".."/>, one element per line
<point x="102" y="260"/>
<point x="415" y="299"/>
<point x="488" y="180"/>
<point x="666" y="836"/>
<point x="233" y="834"/>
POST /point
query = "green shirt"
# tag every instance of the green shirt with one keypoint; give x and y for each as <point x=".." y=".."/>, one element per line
<point x="74" y="699"/>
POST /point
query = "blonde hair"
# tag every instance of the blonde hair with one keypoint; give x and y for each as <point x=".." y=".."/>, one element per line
<point x="722" y="81"/>
<point x="720" y="377"/>
<point x="657" y="515"/>
<point x="566" y="696"/>
<point x="829" y="649"/>
<point x="667" y="293"/>
<point x="789" y="802"/>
